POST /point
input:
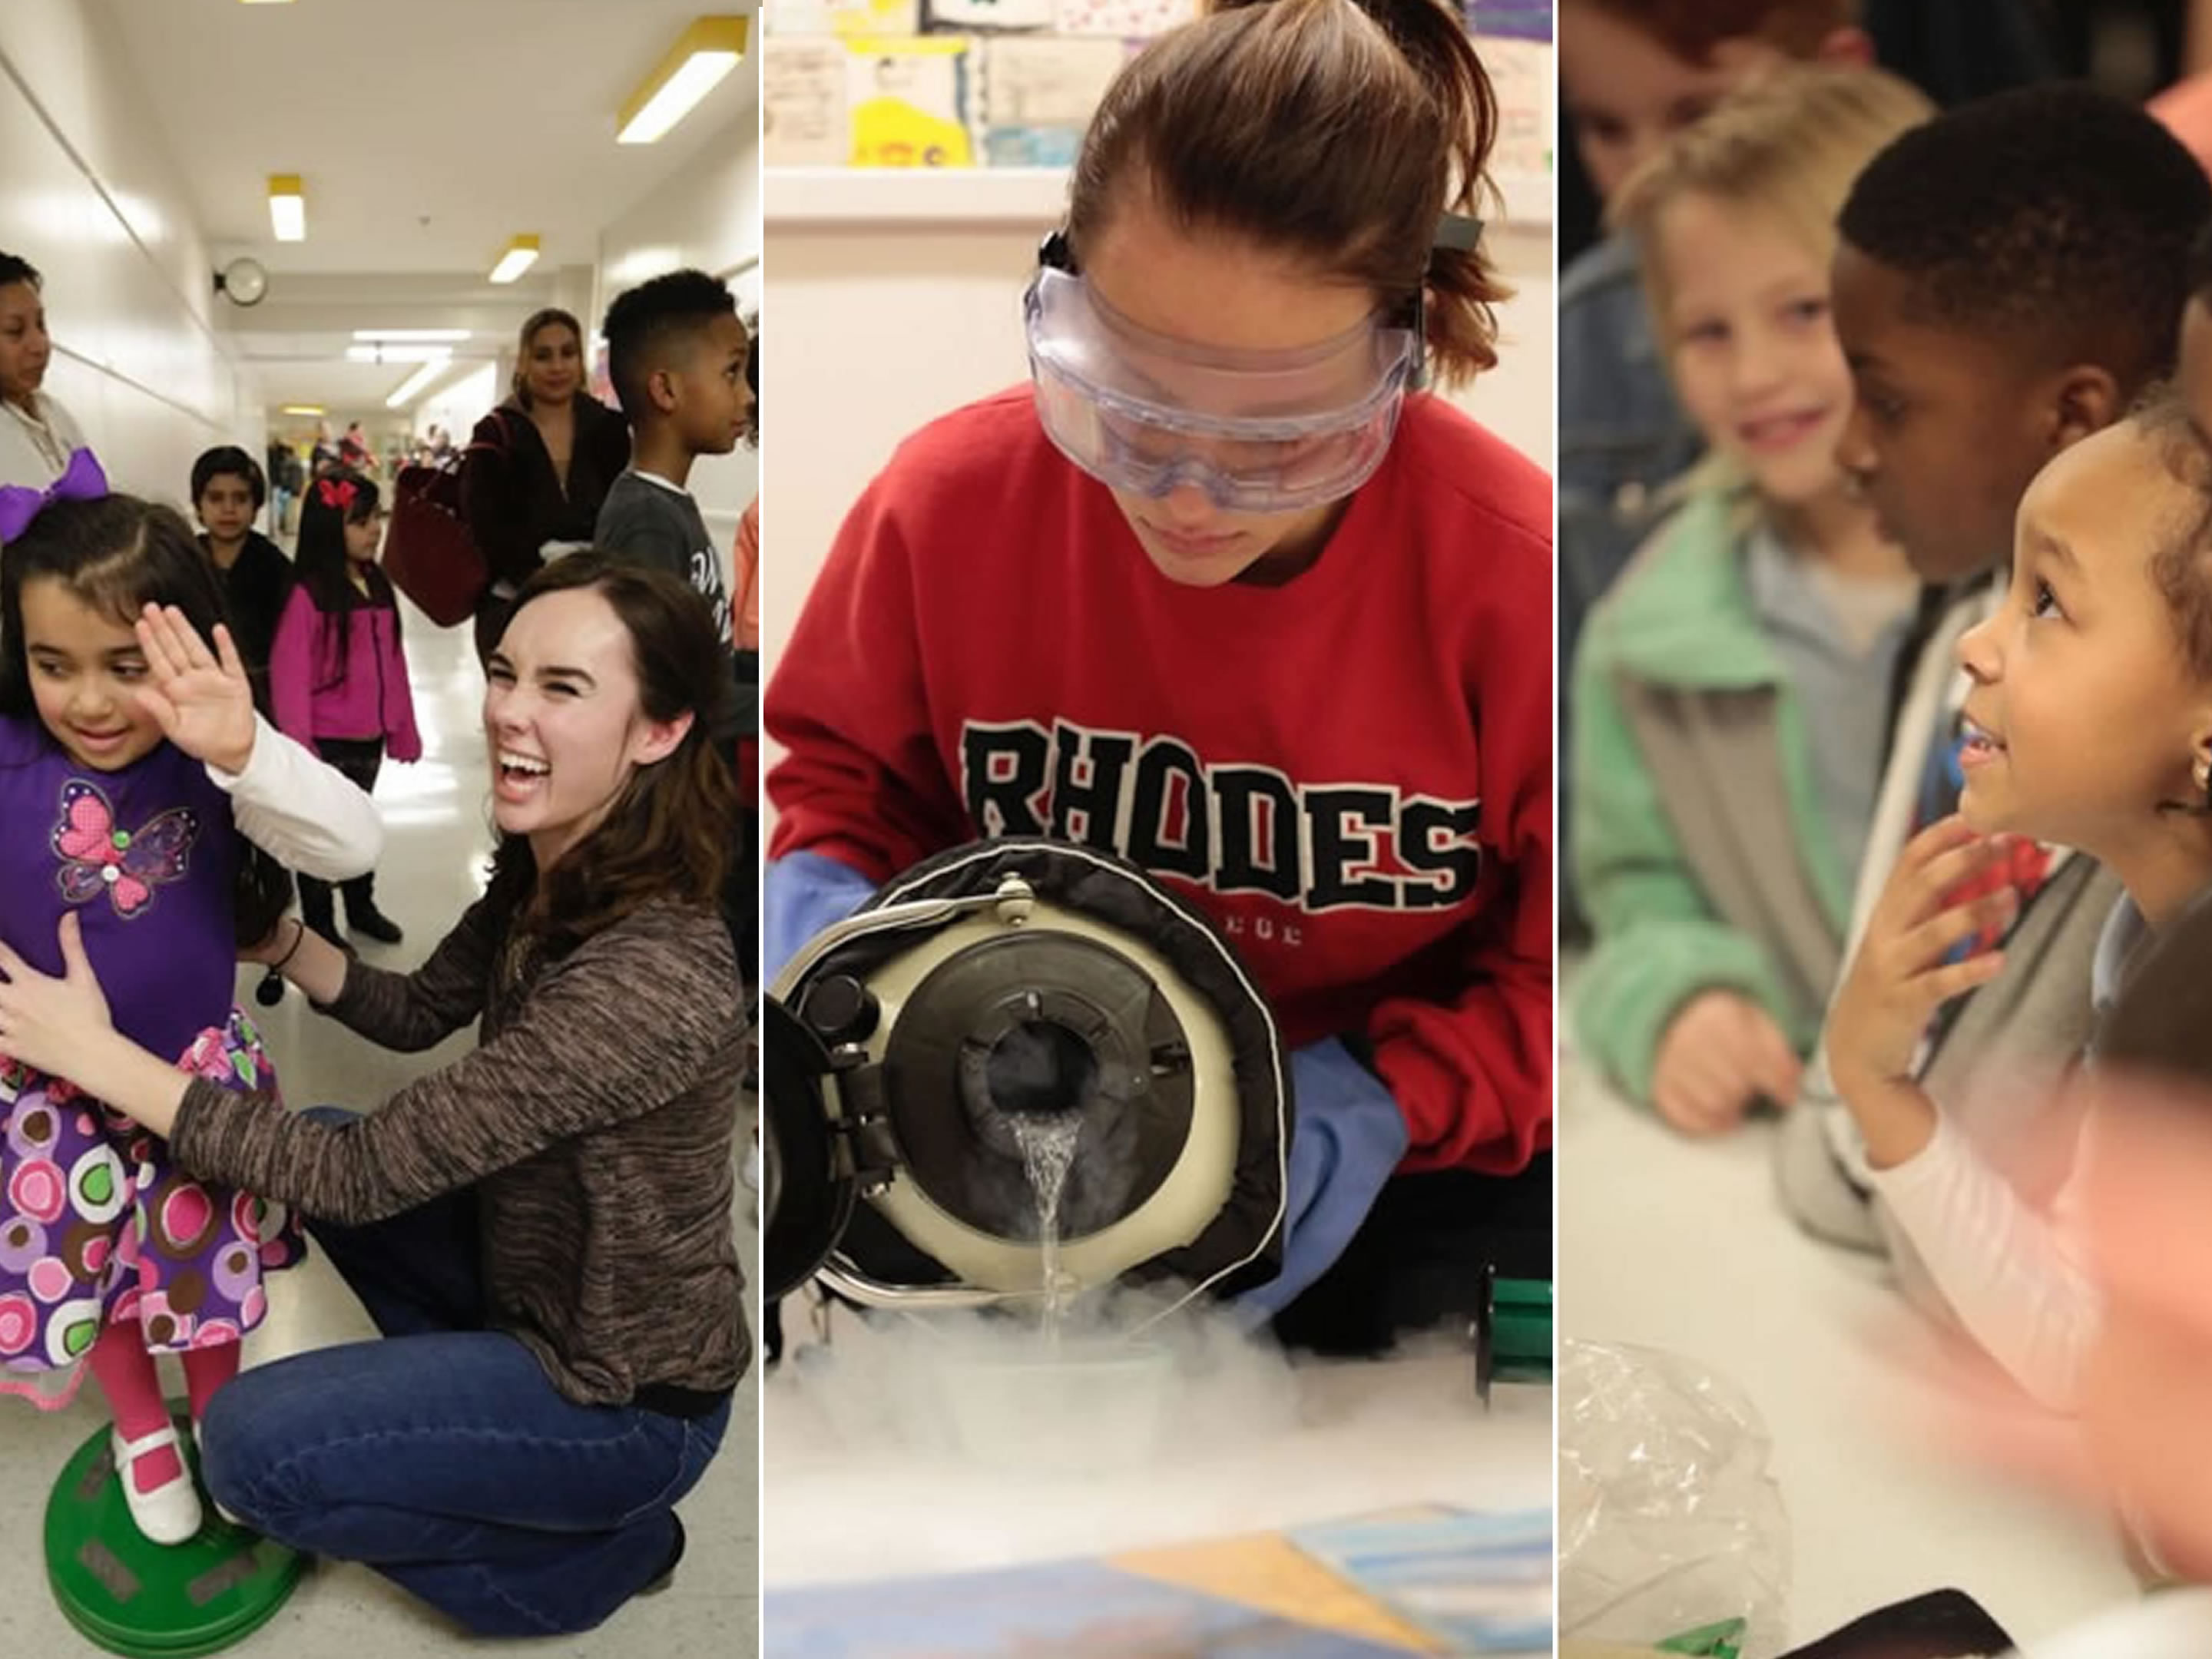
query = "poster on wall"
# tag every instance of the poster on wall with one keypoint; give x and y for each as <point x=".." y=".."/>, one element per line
<point x="907" y="102"/>
<point x="1123" y="19"/>
<point x="842" y="17"/>
<point x="1521" y="77"/>
<point x="1038" y="94"/>
<point x="984" y="16"/>
<point x="803" y="121"/>
<point x="1510" y="20"/>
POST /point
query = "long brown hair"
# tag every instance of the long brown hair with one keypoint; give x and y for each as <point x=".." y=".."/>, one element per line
<point x="1340" y="132"/>
<point x="668" y="834"/>
<point x="551" y="316"/>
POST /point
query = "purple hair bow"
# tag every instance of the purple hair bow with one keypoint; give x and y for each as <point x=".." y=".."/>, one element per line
<point x="81" y="481"/>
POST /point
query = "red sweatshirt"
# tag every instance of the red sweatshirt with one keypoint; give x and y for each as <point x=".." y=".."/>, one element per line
<point x="1350" y="773"/>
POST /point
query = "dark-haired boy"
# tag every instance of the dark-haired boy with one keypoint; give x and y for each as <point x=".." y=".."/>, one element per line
<point x="2010" y="276"/>
<point x="678" y="357"/>
<point x="228" y="492"/>
<point x="677" y="354"/>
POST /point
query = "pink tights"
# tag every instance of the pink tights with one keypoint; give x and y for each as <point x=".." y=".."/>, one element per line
<point x="124" y="1371"/>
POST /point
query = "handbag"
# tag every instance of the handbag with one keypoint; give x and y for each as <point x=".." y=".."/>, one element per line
<point x="429" y="553"/>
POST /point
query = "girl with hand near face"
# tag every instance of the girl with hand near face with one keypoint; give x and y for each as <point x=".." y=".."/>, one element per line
<point x="2090" y="725"/>
<point x="148" y="809"/>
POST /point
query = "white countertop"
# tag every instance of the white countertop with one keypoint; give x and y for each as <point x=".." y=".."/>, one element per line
<point x="1683" y="1246"/>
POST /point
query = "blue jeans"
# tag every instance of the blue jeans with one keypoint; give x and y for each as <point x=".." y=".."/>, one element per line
<point x="442" y="1457"/>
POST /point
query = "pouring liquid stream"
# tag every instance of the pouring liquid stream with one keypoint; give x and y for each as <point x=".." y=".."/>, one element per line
<point x="1047" y="1143"/>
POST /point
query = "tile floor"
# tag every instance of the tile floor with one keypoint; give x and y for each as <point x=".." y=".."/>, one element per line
<point x="437" y="837"/>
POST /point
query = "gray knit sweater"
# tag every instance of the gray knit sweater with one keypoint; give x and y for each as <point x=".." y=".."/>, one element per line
<point x="595" y="1119"/>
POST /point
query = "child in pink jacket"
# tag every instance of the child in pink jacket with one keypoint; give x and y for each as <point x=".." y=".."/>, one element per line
<point x="337" y="675"/>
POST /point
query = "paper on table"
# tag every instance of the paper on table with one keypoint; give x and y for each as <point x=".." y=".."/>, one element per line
<point x="1481" y="1583"/>
<point x="1269" y="1572"/>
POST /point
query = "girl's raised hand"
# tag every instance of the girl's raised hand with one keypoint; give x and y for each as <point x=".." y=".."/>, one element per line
<point x="1899" y="978"/>
<point x="203" y="701"/>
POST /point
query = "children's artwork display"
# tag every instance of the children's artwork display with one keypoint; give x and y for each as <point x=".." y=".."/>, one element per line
<point x="1521" y="75"/>
<point x="990" y="16"/>
<point x="1036" y="96"/>
<point x="1510" y="20"/>
<point x="802" y="122"/>
<point x="802" y="18"/>
<point x="1013" y="84"/>
<point x="906" y="102"/>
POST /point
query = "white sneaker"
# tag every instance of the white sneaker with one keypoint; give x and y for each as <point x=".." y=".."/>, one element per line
<point x="170" y="1514"/>
<point x="200" y="1447"/>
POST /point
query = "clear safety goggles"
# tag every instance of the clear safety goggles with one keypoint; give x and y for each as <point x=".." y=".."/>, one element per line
<point x="1259" y="432"/>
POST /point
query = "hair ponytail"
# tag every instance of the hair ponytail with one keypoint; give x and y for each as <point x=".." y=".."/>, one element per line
<point x="1341" y="131"/>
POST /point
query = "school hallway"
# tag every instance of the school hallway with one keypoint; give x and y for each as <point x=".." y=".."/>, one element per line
<point x="437" y="839"/>
<point x="152" y="146"/>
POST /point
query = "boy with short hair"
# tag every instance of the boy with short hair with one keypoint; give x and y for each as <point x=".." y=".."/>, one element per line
<point x="2011" y="276"/>
<point x="677" y="355"/>
<point x="228" y="492"/>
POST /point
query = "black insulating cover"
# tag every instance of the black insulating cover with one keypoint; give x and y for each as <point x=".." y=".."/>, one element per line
<point x="1120" y="896"/>
<point x="1944" y="1624"/>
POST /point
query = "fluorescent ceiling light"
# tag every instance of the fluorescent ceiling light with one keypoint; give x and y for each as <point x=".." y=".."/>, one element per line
<point x="415" y="383"/>
<point x="297" y="409"/>
<point x="521" y="254"/>
<point x="399" y="354"/>
<point x="288" y="207"/>
<point x="703" y="54"/>
<point x="411" y="336"/>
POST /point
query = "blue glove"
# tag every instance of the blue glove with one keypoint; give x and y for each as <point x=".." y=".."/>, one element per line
<point x="804" y="893"/>
<point x="1350" y="1135"/>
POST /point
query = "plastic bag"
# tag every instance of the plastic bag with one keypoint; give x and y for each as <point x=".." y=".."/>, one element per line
<point x="1669" y="1521"/>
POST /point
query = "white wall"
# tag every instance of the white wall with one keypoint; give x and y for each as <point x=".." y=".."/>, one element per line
<point x="881" y="326"/>
<point x="459" y="406"/>
<point x="708" y="217"/>
<point x="88" y="194"/>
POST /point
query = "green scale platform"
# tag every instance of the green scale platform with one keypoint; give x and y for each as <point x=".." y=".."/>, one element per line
<point x="151" y="1600"/>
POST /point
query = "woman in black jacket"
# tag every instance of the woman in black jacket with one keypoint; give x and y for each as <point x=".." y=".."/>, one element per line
<point x="538" y="466"/>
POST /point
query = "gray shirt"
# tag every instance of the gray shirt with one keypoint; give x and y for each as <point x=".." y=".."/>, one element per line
<point x="650" y="521"/>
<point x="1842" y="685"/>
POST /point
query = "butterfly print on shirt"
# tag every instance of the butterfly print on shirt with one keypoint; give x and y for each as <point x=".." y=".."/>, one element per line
<point x="129" y="867"/>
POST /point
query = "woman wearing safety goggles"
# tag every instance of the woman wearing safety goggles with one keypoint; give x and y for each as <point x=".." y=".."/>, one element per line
<point x="1224" y="591"/>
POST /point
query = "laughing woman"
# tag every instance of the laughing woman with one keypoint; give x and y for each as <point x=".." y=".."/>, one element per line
<point x="542" y="1231"/>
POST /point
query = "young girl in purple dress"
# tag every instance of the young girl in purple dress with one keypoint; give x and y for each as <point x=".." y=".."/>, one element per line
<point x="140" y="790"/>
